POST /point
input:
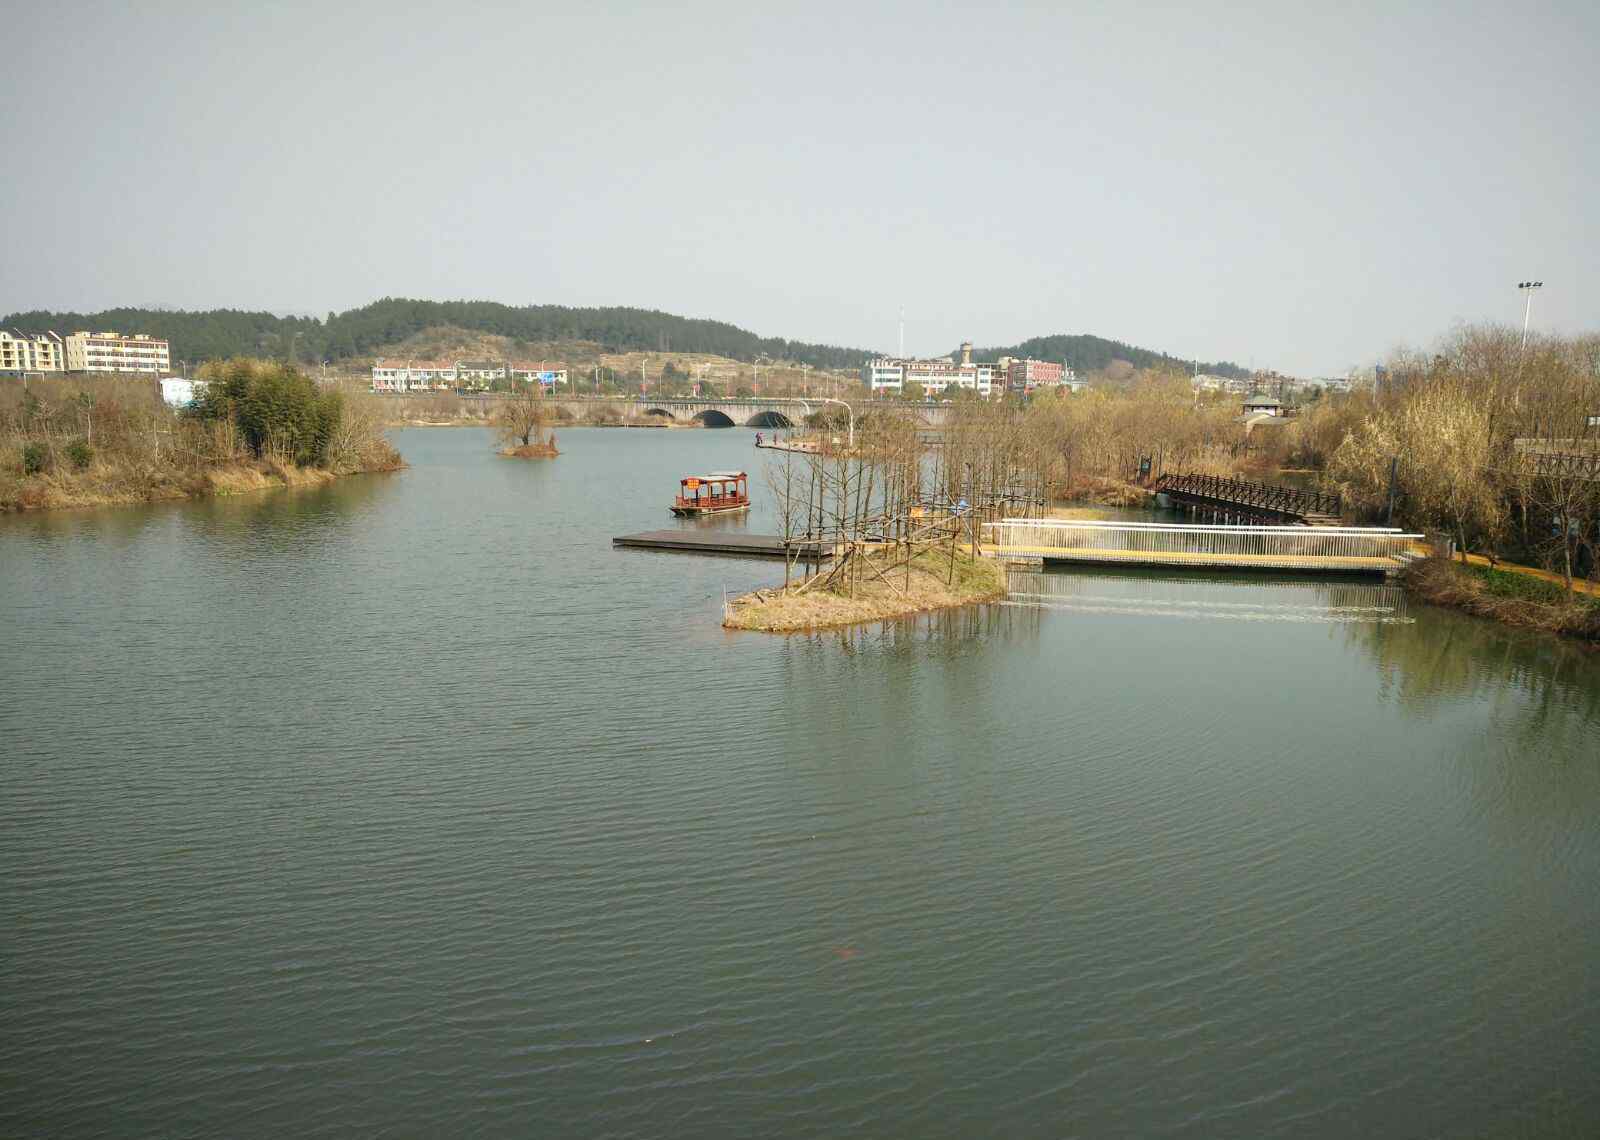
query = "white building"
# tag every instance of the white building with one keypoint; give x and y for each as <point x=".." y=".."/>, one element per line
<point x="933" y="377"/>
<point x="437" y="375"/>
<point x="547" y="374"/>
<point x="479" y="371"/>
<point x="884" y="375"/>
<point x="112" y="352"/>
<point x="22" y="352"/>
<point x="414" y="375"/>
<point x="180" y="393"/>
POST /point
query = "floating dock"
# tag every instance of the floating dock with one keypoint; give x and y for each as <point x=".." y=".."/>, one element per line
<point x="732" y="543"/>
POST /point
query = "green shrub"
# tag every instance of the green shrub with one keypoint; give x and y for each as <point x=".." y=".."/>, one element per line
<point x="80" y="454"/>
<point x="35" y="458"/>
<point x="276" y="408"/>
<point x="1508" y="584"/>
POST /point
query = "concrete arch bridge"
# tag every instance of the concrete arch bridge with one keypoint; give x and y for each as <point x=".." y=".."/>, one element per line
<point x="753" y="412"/>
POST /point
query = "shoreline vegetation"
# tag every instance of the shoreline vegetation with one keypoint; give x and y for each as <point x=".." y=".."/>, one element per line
<point x="1505" y="596"/>
<point x="101" y="441"/>
<point x="930" y="582"/>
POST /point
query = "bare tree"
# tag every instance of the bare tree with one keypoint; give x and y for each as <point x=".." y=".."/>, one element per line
<point x="524" y="418"/>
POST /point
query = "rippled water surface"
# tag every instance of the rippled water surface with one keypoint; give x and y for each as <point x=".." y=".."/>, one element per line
<point x="408" y="806"/>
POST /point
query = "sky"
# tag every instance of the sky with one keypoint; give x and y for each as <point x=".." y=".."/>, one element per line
<point x="1303" y="187"/>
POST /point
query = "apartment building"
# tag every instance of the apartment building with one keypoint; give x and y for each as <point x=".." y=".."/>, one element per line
<point x="26" y="352"/>
<point x="933" y="377"/>
<point x="415" y="375"/>
<point x="927" y="378"/>
<point x="1026" y="374"/>
<point x="479" y="371"/>
<point x="547" y="374"/>
<point x="112" y="352"/>
<point x="412" y="375"/>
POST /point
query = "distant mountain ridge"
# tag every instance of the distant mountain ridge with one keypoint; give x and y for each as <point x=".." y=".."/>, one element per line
<point x="219" y="333"/>
<point x="1088" y="353"/>
<point x="216" y="333"/>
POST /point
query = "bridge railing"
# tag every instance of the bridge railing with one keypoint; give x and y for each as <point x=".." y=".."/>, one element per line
<point x="1112" y="541"/>
<point x="1246" y="493"/>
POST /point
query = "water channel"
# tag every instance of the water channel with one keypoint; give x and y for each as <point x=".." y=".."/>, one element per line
<point x="408" y="806"/>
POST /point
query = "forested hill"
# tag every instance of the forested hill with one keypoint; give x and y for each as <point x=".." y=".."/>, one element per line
<point x="1090" y="353"/>
<point x="218" y="333"/>
<point x="214" y="333"/>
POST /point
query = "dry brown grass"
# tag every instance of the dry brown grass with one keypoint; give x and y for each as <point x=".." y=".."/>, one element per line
<point x="1445" y="583"/>
<point x="530" y="451"/>
<point x="769" y="611"/>
<point x="138" y="450"/>
<point x="1103" y="491"/>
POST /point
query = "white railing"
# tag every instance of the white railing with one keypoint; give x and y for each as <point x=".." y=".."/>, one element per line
<point x="1267" y="546"/>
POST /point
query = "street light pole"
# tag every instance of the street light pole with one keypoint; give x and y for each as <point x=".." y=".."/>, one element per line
<point x="1527" y="313"/>
<point x="851" y="412"/>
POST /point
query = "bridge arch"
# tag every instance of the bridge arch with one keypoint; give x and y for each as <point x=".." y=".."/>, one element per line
<point x="713" y="418"/>
<point x="659" y="412"/>
<point x="771" y="418"/>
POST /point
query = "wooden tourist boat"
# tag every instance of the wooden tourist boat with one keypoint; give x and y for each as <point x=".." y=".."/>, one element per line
<point x="719" y="493"/>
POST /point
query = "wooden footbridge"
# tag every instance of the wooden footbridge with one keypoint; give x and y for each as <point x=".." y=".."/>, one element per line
<point x="1337" y="550"/>
<point x="1223" y="499"/>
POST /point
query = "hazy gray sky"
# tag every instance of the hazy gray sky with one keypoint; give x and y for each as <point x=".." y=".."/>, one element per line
<point x="1303" y="186"/>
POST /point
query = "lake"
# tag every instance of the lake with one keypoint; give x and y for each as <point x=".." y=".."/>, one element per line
<point x="409" y="806"/>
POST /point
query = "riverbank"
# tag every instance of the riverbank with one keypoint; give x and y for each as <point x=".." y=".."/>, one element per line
<point x="929" y="586"/>
<point x="1514" y="599"/>
<point x="1102" y="491"/>
<point x="125" y="485"/>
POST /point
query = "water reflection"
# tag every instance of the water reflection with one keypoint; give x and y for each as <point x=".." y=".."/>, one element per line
<point x="1457" y="657"/>
<point x="1220" y="598"/>
<point x="253" y="513"/>
<point x="936" y="633"/>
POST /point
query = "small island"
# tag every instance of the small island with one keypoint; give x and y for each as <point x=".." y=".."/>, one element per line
<point x="522" y="426"/>
<point x="879" y="589"/>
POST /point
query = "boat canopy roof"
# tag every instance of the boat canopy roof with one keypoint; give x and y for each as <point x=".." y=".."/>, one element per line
<point x="717" y="476"/>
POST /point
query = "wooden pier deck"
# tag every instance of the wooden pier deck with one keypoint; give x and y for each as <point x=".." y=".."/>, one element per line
<point x="731" y="543"/>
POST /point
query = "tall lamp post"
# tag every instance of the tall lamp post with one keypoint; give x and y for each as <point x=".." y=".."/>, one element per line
<point x="805" y="403"/>
<point x="850" y="412"/>
<point x="1527" y="313"/>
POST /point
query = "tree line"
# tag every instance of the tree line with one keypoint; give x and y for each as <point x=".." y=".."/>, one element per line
<point x="1490" y="440"/>
<point x="217" y="334"/>
<point x="1088" y="353"/>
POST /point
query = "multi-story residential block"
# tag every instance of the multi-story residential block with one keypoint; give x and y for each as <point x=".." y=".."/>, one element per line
<point x="1024" y="375"/>
<point x="112" y="352"/>
<point x="414" y="375"/>
<point x="897" y="376"/>
<point x="479" y="371"/>
<point x="547" y="374"/>
<point x="25" y="352"/>
<point x="884" y="375"/>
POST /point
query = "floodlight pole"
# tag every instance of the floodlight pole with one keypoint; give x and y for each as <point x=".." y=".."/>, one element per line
<point x="1527" y="313"/>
